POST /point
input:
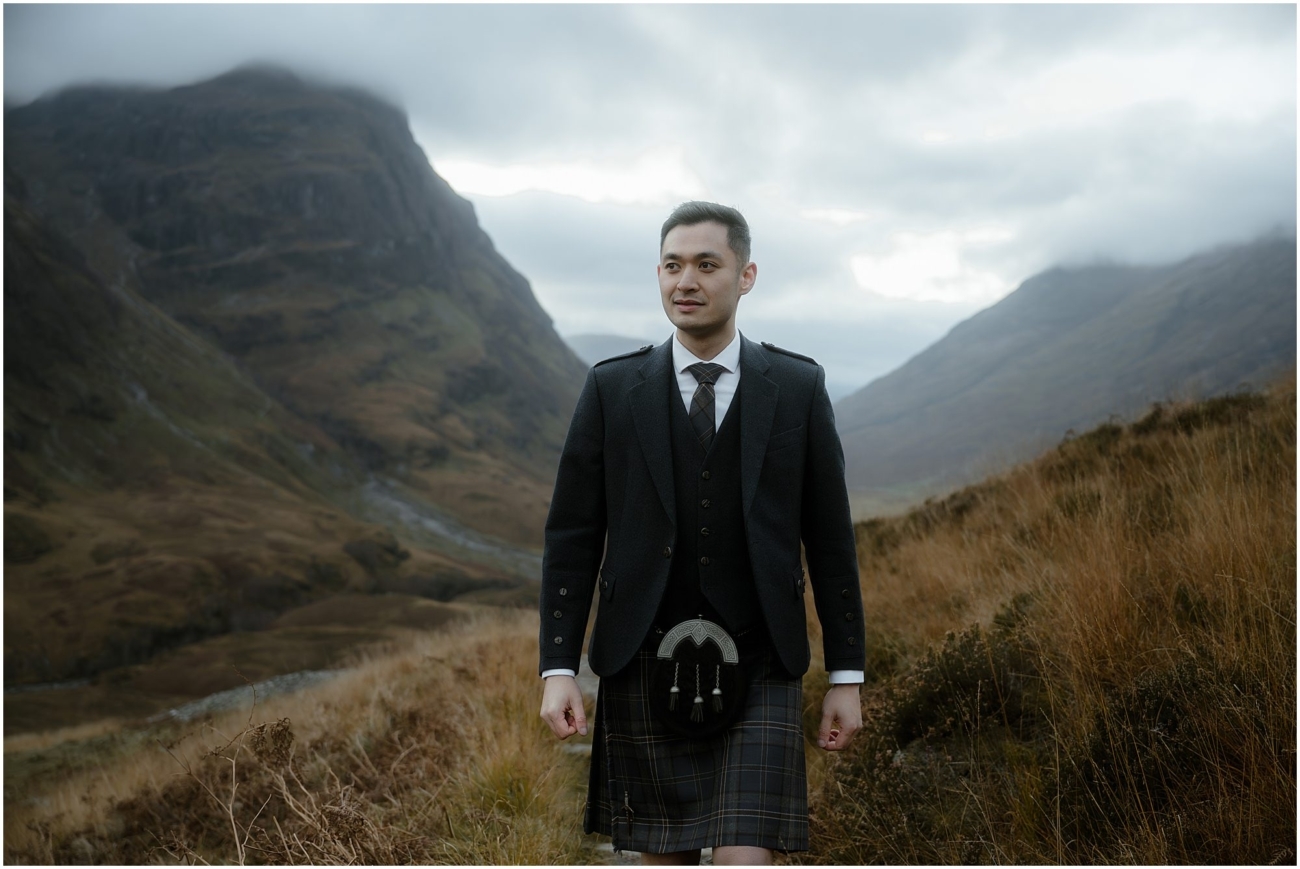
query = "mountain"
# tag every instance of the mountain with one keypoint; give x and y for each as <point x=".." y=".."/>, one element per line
<point x="1069" y="348"/>
<point x="593" y="348"/>
<point x="257" y="355"/>
<point x="301" y="230"/>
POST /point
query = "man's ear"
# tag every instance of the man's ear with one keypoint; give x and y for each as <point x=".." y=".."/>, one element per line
<point x="748" y="275"/>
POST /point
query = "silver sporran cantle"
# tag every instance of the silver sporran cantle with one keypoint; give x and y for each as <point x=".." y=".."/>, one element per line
<point x="698" y="683"/>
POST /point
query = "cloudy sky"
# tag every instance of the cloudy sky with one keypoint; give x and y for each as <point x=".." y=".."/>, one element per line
<point x="901" y="166"/>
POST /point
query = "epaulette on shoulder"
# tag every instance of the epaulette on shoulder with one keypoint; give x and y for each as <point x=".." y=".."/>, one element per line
<point x="770" y="346"/>
<point x="637" y="352"/>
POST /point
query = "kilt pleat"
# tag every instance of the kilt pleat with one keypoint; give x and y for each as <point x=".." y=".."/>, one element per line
<point x="654" y="791"/>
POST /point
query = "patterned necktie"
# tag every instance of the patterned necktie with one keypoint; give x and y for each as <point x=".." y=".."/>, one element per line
<point x="706" y="373"/>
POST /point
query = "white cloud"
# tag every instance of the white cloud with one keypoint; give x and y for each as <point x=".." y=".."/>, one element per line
<point x="930" y="268"/>
<point x="656" y="177"/>
<point x="834" y="216"/>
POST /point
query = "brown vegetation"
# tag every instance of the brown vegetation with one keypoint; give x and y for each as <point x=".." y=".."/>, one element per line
<point x="434" y="754"/>
<point x="1090" y="659"/>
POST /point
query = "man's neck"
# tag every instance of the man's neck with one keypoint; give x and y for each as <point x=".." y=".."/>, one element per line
<point x="706" y="347"/>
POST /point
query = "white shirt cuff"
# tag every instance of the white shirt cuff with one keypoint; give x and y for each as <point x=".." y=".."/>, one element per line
<point x="845" y="677"/>
<point x="562" y="671"/>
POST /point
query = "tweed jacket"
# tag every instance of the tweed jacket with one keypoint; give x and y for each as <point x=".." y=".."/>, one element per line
<point x="612" y="525"/>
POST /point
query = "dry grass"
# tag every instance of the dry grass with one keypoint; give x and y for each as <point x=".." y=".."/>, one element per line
<point x="433" y="754"/>
<point x="1090" y="659"/>
<point x="47" y="739"/>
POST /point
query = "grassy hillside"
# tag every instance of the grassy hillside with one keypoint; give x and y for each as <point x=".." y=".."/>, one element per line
<point x="1090" y="659"/>
<point x="433" y="754"/>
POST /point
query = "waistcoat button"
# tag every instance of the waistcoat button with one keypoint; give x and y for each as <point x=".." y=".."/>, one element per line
<point x="563" y="592"/>
<point x="704" y="531"/>
<point x="705" y="503"/>
<point x="560" y="640"/>
<point x="705" y="475"/>
<point x="668" y="552"/>
<point x="704" y="560"/>
<point x="559" y="614"/>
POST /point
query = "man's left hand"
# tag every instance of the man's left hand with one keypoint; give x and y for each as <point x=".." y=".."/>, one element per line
<point x="841" y="717"/>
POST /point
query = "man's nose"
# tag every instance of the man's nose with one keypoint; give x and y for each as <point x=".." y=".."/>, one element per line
<point x="687" y="279"/>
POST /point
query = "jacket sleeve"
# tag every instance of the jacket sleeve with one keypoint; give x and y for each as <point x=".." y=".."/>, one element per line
<point x="828" y="540"/>
<point x="575" y="535"/>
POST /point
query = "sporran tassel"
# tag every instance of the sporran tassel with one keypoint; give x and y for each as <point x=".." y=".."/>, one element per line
<point x="717" y="688"/>
<point x="697" y="710"/>
<point x="674" y="691"/>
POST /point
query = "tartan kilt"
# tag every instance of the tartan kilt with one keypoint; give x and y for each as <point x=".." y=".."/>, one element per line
<point x="653" y="791"/>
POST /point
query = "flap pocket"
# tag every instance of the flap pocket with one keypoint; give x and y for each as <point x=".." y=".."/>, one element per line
<point x="605" y="582"/>
<point x="785" y="439"/>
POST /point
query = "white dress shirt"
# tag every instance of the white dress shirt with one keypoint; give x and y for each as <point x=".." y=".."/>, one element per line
<point x="724" y="390"/>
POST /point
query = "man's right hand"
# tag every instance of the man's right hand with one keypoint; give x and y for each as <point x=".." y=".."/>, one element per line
<point x="562" y="706"/>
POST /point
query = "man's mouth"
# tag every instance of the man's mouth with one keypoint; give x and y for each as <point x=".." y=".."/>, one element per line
<point x="689" y="304"/>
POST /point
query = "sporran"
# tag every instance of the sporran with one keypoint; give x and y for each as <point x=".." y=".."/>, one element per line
<point x="699" y="682"/>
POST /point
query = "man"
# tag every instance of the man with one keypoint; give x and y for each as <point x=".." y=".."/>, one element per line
<point x="690" y="475"/>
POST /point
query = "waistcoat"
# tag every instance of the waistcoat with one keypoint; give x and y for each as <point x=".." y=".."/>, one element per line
<point x="711" y="573"/>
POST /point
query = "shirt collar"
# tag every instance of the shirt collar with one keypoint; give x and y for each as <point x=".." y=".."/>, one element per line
<point x="729" y="358"/>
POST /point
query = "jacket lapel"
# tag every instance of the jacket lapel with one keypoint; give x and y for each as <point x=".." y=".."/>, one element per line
<point x="649" y="402"/>
<point x="758" y="408"/>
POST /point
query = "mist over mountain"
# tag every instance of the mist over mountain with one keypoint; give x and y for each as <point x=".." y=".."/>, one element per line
<point x="1066" y="350"/>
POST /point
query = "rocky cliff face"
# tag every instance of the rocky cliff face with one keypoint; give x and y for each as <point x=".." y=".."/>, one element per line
<point x="1066" y="350"/>
<point x="302" y="231"/>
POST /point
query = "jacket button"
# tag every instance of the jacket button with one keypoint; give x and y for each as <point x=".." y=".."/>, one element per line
<point x="705" y="503"/>
<point x="704" y="531"/>
<point x="604" y="585"/>
<point x="848" y="617"/>
<point x="559" y="614"/>
<point x="560" y="640"/>
<point x="852" y="641"/>
<point x="844" y="593"/>
<point x="704" y="560"/>
<point x="563" y="592"/>
<point x="704" y="475"/>
<point x="668" y="552"/>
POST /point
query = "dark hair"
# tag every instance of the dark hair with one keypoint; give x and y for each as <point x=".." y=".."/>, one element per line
<point x="691" y="213"/>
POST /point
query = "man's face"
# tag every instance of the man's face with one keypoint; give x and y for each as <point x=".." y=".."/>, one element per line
<point x="700" y="279"/>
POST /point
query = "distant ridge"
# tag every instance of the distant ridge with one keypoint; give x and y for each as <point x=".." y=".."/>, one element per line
<point x="592" y="348"/>
<point x="1066" y="350"/>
